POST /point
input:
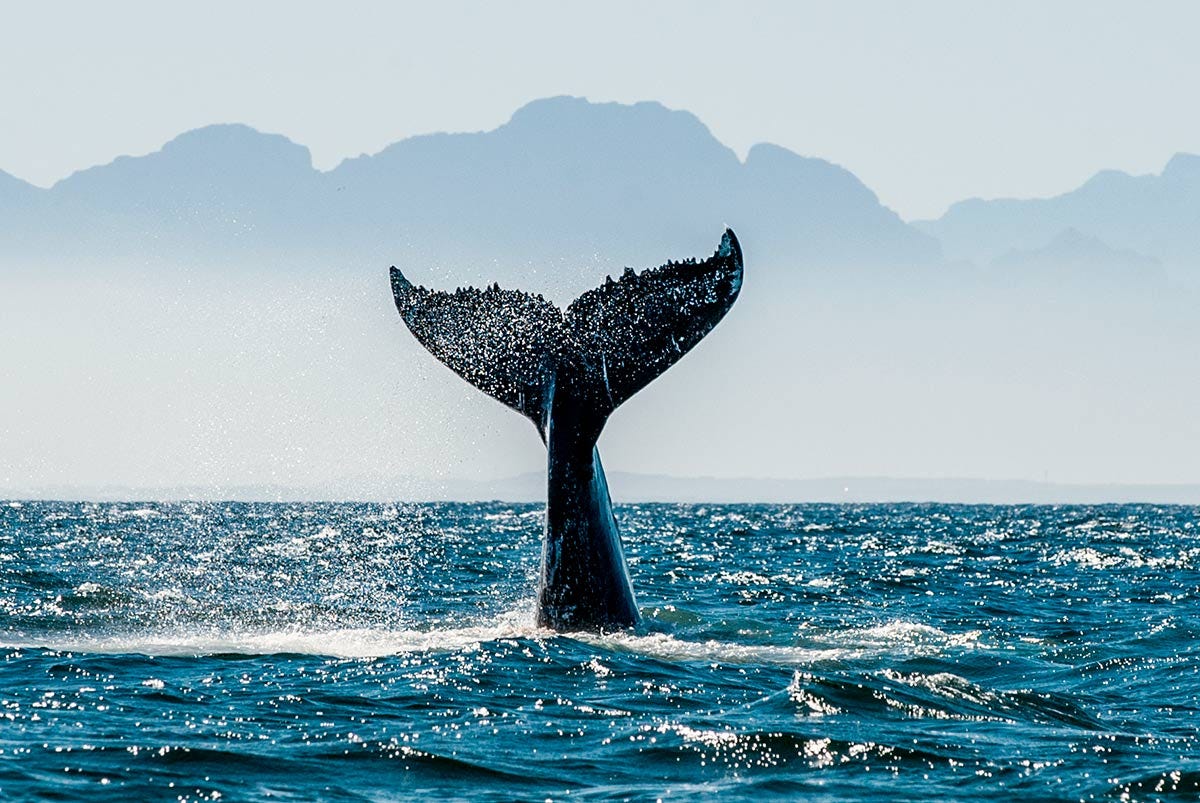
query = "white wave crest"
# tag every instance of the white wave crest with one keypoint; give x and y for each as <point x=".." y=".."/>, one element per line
<point x="893" y="638"/>
<point x="890" y="639"/>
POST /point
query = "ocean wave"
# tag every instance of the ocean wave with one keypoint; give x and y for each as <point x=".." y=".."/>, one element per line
<point x="899" y="639"/>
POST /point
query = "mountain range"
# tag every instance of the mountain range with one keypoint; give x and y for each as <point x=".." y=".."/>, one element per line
<point x="1151" y="216"/>
<point x="563" y="181"/>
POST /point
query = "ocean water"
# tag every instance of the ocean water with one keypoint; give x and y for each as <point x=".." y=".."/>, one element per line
<point x="356" y="652"/>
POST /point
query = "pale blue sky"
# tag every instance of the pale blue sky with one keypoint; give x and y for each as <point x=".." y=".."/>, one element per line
<point x="927" y="102"/>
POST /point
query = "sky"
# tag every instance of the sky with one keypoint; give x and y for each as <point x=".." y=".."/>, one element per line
<point x="152" y="371"/>
<point x="927" y="102"/>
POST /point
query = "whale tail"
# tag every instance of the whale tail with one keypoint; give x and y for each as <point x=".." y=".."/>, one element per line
<point x="609" y="344"/>
<point x="566" y="372"/>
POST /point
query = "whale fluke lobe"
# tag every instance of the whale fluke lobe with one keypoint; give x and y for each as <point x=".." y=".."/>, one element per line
<point x="623" y="334"/>
<point x="567" y="373"/>
<point x="634" y="329"/>
<point x="501" y="341"/>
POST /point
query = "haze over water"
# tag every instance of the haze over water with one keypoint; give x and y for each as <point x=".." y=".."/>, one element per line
<point x="379" y="652"/>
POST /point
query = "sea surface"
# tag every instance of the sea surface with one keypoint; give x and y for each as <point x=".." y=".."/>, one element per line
<point x="370" y="652"/>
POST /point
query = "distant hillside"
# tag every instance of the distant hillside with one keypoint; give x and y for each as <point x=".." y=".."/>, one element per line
<point x="13" y="188"/>
<point x="16" y="198"/>
<point x="1079" y="260"/>
<point x="564" y="180"/>
<point x="566" y="188"/>
<point x="1155" y="215"/>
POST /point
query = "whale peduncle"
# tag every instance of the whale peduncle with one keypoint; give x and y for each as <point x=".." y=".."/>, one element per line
<point x="566" y="373"/>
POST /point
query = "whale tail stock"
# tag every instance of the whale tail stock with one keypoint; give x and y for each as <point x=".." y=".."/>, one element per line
<point x="566" y="372"/>
<point x="610" y="343"/>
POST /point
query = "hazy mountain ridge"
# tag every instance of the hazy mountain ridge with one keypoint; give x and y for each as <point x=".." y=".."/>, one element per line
<point x="1155" y="215"/>
<point x="16" y="196"/>
<point x="563" y="178"/>
<point x="12" y="186"/>
<point x="1077" y="258"/>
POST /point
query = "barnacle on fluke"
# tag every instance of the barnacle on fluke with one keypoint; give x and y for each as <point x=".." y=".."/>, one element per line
<point x="567" y="372"/>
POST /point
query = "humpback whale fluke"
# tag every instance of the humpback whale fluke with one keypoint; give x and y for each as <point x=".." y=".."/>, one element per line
<point x="567" y="372"/>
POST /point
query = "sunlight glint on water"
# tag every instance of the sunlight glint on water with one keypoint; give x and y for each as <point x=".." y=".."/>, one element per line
<point x="367" y="652"/>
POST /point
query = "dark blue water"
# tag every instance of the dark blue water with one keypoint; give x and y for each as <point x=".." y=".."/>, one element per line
<point x="372" y="652"/>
